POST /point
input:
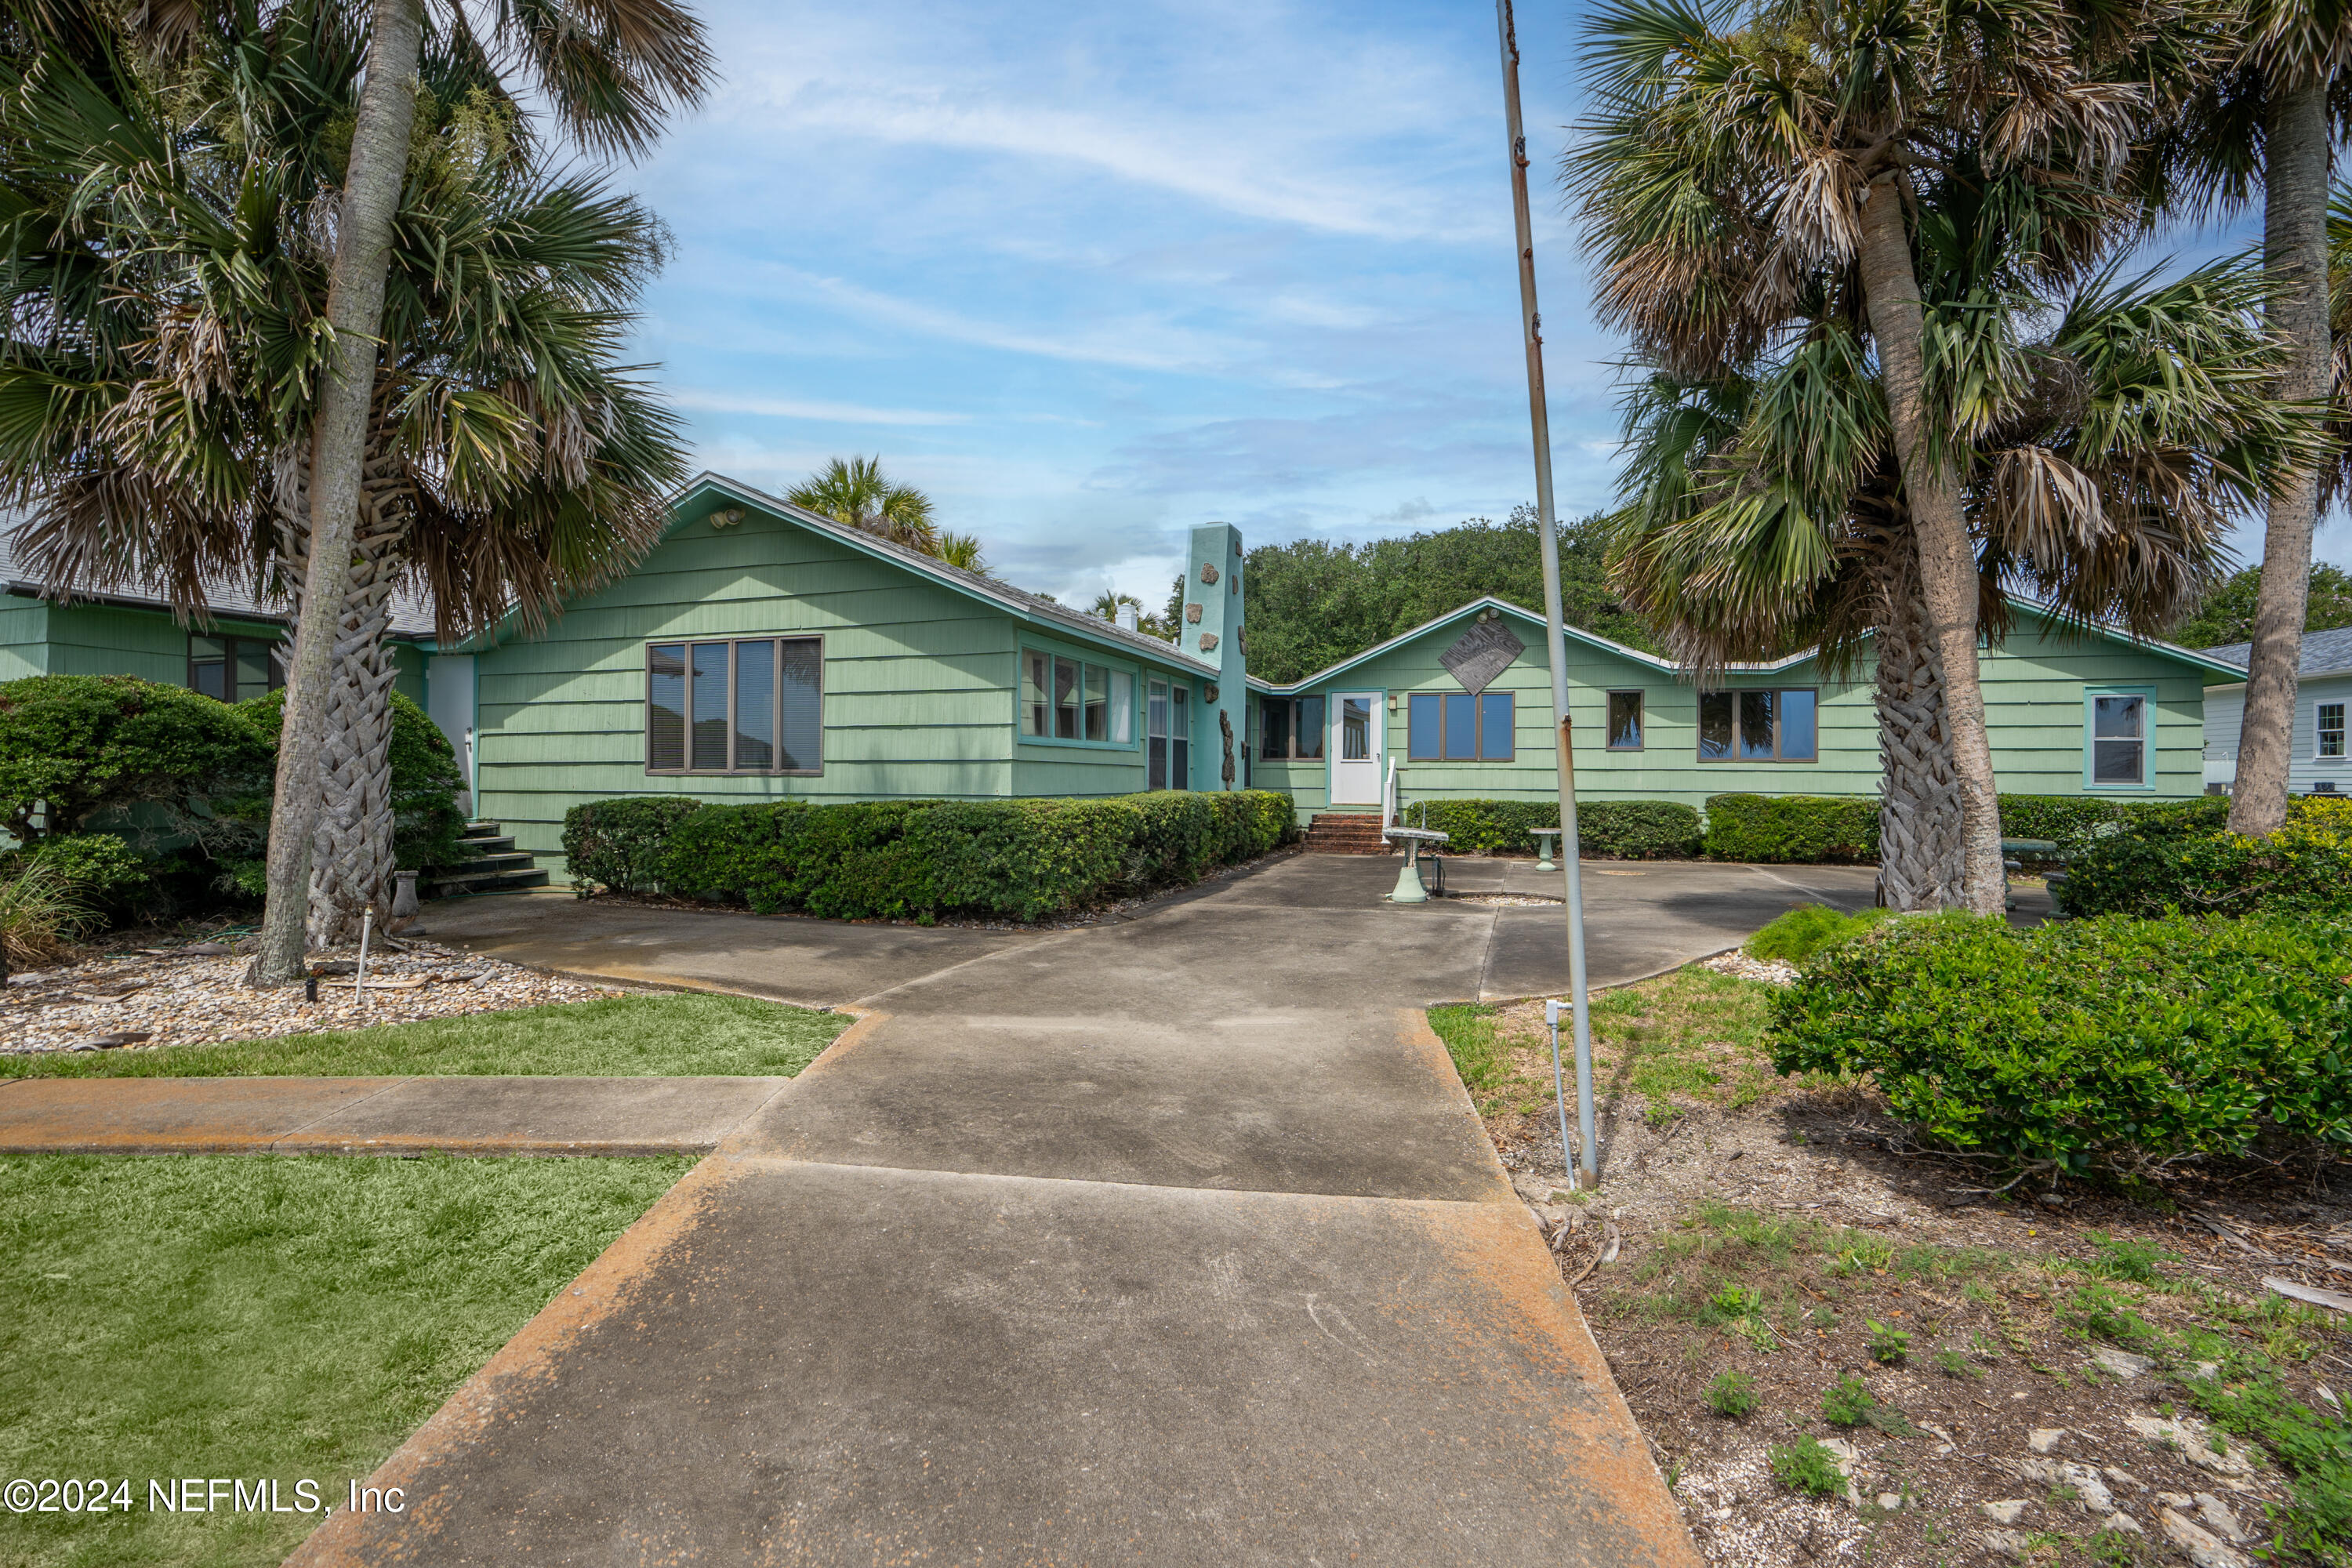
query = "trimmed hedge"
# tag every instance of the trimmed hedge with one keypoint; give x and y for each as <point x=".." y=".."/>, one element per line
<point x="74" y="747"/>
<point x="2155" y="866"/>
<point x="1605" y="829"/>
<point x="1778" y="827"/>
<point x="1024" y="859"/>
<point x="2076" y="822"/>
<point x="2113" y="1043"/>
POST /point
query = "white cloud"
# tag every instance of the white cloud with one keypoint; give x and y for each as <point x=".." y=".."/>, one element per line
<point x="793" y="408"/>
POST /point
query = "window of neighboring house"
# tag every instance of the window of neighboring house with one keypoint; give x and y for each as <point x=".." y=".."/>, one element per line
<point x="2117" y="742"/>
<point x="2329" y="725"/>
<point x="234" y="669"/>
<point x="1291" y="729"/>
<point x="1760" y="726"/>
<point x="1071" y="700"/>
<point x="1457" y="727"/>
<point x="1167" y="736"/>
<point x="753" y="705"/>
<point x="1624" y="720"/>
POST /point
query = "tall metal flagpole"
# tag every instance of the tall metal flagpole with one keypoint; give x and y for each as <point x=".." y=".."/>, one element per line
<point x="1554" y="620"/>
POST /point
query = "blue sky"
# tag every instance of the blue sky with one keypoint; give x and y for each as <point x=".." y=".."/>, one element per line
<point x="1093" y="275"/>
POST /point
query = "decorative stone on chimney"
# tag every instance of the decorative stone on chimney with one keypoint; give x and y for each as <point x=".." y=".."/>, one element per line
<point x="1212" y="629"/>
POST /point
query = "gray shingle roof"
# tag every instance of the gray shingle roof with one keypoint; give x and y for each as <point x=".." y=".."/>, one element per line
<point x="2324" y="653"/>
<point x="412" y="613"/>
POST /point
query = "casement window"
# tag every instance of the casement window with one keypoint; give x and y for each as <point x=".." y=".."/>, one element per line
<point x="753" y="705"/>
<point x="234" y="669"/>
<point x="1624" y="721"/>
<point x="1168" y="736"/>
<point x="2117" y="723"/>
<point x="1070" y="700"/>
<point x="1457" y="727"/>
<point x="2328" y="731"/>
<point x="1769" y="726"/>
<point x="1291" y="729"/>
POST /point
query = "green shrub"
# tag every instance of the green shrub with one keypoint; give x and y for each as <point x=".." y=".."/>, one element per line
<point x="74" y="746"/>
<point x="1732" y="1394"/>
<point x="1808" y="929"/>
<point x="621" y="845"/>
<point x="426" y="824"/>
<point x="1606" y="829"/>
<point x="1791" y="828"/>
<point x="2112" y="1042"/>
<point x="99" y="867"/>
<point x="2305" y="867"/>
<point x="862" y="859"/>
<point x="2076" y="822"/>
<point x="1805" y="1466"/>
<point x="1888" y="1346"/>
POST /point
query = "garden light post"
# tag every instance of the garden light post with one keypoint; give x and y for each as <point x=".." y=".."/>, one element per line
<point x="1555" y="648"/>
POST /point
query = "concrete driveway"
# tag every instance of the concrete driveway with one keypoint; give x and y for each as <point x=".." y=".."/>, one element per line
<point x="1172" y="1239"/>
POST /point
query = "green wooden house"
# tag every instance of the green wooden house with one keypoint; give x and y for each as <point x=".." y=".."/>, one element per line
<point x="762" y="652"/>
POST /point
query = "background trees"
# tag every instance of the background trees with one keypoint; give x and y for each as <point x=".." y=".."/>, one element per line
<point x="854" y="490"/>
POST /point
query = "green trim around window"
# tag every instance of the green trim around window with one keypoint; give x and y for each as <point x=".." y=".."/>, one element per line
<point x="2101" y="767"/>
<point x="1098" y="700"/>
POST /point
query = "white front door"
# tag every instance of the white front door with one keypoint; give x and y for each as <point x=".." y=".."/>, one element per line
<point x="1356" y="723"/>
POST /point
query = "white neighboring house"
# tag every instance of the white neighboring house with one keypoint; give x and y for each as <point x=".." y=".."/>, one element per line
<point x="2320" y="757"/>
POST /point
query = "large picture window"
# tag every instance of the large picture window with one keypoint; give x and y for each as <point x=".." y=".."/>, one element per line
<point x="1291" y="729"/>
<point x="234" y="669"/>
<point x="1070" y="700"/>
<point x="2116" y="744"/>
<point x="1760" y="726"/>
<point x="1457" y="727"/>
<point x="753" y="705"/>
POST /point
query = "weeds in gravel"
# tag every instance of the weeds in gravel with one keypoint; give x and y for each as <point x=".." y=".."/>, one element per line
<point x="1732" y="1394"/>
<point x="2313" y="1448"/>
<point x="1953" y="1365"/>
<point x="1888" y="1347"/>
<point x="2123" y="1258"/>
<point x="1846" y="1402"/>
<point x="1806" y="1466"/>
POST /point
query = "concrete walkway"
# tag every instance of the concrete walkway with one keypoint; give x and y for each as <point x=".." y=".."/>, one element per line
<point x="375" y="1115"/>
<point x="1171" y="1240"/>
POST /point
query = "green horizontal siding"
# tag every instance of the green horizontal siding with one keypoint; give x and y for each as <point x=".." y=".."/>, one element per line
<point x="24" y="638"/>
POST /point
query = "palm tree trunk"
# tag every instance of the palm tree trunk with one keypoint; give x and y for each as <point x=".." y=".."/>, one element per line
<point x="371" y="198"/>
<point x="2294" y="249"/>
<point x="352" y="854"/>
<point x="1919" y="858"/>
<point x="1947" y="575"/>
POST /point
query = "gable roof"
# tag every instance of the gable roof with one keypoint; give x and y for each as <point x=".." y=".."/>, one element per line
<point x="2324" y="653"/>
<point x="1484" y="602"/>
<point x="412" y="613"/>
<point x="1035" y="609"/>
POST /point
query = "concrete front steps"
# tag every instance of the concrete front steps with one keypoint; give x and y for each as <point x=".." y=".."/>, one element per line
<point x="493" y="865"/>
<point x="1345" y="833"/>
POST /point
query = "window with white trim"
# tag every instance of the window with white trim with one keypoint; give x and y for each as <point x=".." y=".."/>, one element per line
<point x="747" y="705"/>
<point x="2117" y="731"/>
<point x="2327" y="723"/>
<point x="1168" y="736"/>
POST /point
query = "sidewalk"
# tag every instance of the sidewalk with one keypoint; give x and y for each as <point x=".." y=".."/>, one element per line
<point x="1171" y="1240"/>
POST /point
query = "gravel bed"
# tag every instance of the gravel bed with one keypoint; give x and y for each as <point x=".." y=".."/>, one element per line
<point x="195" y="994"/>
<point x="1770" y="971"/>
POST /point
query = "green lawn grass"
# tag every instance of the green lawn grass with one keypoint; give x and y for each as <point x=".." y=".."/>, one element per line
<point x="262" y="1317"/>
<point x="670" y="1035"/>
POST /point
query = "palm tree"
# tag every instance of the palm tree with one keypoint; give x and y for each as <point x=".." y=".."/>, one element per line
<point x="512" y="458"/>
<point x="606" y="74"/>
<point x="2262" y="124"/>
<point x="1765" y="512"/>
<point x="1729" y="175"/>
<point x="962" y="549"/>
<point x="854" y="490"/>
<point x="1107" y="604"/>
